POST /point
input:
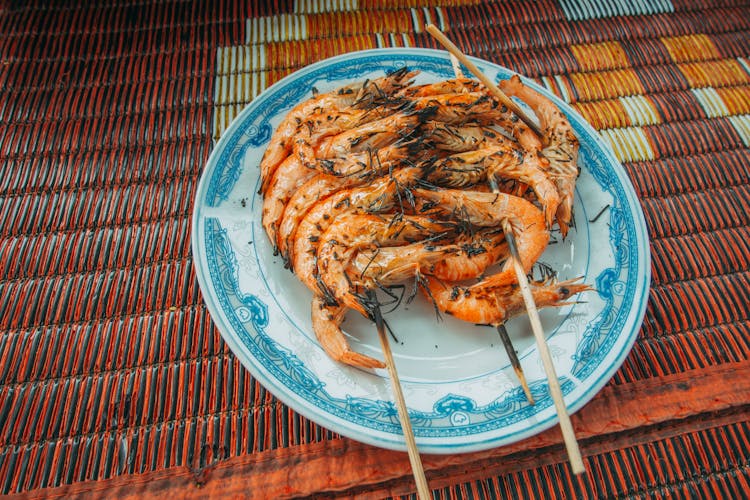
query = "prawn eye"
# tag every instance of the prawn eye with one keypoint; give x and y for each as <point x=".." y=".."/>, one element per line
<point x="565" y="291"/>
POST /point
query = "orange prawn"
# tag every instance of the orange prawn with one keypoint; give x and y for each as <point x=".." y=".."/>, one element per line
<point x="560" y="145"/>
<point x="357" y="95"/>
<point x="494" y="305"/>
<point x="353" y="233"/>
<point x="490" y="210"/>
<point x="476" y="253"/>
<point x="379" y="196"/>
<point x="452" y="86"/>
<point x="326" y="322"/>
<point x="288" y="177"/>
<point x="499" y="162"/>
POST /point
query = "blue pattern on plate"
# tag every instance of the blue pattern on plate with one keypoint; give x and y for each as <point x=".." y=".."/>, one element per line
<point x="452" y="415"/>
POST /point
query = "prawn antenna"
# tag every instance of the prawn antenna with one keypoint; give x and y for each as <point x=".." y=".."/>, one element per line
<point x="372" y="304"/>
<point x="390" y="331"/>
<point x="546" y="272"/>
<point x="398" y="74"/>
<point x="424" y="284"/>
<point x="364" y="270"/>
<point x="397" y="298"/>
<point x="328" y="297"/>
<point x="425" y="184"/>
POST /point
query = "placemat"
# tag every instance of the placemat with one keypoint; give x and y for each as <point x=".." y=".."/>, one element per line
<point x="113" y="379"/>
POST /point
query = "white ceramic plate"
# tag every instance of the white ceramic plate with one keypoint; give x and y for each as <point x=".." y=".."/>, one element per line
<point x="461" y="392"/>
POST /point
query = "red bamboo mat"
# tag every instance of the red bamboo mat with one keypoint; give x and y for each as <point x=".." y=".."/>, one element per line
<point x="113" y="379"/>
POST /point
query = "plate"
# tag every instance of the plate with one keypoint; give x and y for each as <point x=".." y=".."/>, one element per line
<point x="461" y="392"/>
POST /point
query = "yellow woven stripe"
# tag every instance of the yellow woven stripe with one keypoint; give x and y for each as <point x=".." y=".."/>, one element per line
<point x="604" y="114"/>
<point x="304" y="52"/>
<point x="629" y="144"/>
<point x="396" y="40"/>
<point x="600" y="56"/>
<point x="690" y="48"/>
<point x="605" y="85"/>
<point x="640" y="110"/>
<point x="334" y="25"/>
<point x="239" y="58"/>
<point x="315" y="6"/>
<point x="742" y="125"/>
<point x="736" y="99"/>
<point x="279" y="28"/>
<point x="620" y="112"/>
<point x="401" y="4"/>
<point x="223" y="116"/>
<point x="711" y="102"/>
<point x="723" y="73"/>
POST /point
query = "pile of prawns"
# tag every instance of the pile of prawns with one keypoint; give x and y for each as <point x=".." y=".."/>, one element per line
<point x="384" y="182"/>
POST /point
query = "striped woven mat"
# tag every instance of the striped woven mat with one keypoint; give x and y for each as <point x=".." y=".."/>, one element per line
<point x="113" y="379"/>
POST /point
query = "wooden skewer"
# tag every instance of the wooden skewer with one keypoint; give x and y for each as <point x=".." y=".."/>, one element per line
<point x="423" y="490"/>
<point x="514" y="361"/>
<point x="456" y="67"/>
<point x="507" y="101"/>
<point x="571" y="444"/>
<point x="501" y="330"/>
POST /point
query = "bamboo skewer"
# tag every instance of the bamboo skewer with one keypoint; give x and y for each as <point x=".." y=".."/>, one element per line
<point x="507" y="101"/>
<point x="456" y="67"/>
<point x="514" y="361"/>
<point x="571" y="444"/>
<point x="501" y="330"/>
<point x="566" y="427"/>
<point x="423" y="490"/>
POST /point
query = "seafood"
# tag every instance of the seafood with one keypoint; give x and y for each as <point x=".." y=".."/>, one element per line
<point x="317" y="154"/>
<point x="383" y="267"/>
<point x="476" y="253"/>
<point x="326" y="321"/>
<point x="321" y="185"/>
<point x="452" y="86"/>
<point x="318" y="187"/>
<point x="379" y="196"/>
<point x="493" y="306"/>
<point x="490" y="210"/>
<point x="504" y="162"/>
<point x="460" y="139"/>
<point x="346" y="97"/>
<point x="368" y="163"/>
<point x="288" y="177"/>
<point x="371" y="135"/>
<point x="560" y="145"/>
<point x="384" y="183"/>
<point x="461" y="108"/>
<point x="353" y="233"/>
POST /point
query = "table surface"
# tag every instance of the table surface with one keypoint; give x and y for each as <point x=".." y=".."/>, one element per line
<point x="113" y="379"/>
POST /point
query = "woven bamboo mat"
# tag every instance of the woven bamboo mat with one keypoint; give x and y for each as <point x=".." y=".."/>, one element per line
<point x="113" y="379"/>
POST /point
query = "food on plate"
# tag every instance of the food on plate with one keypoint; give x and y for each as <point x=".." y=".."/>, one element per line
<point x="384" y="184"/>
